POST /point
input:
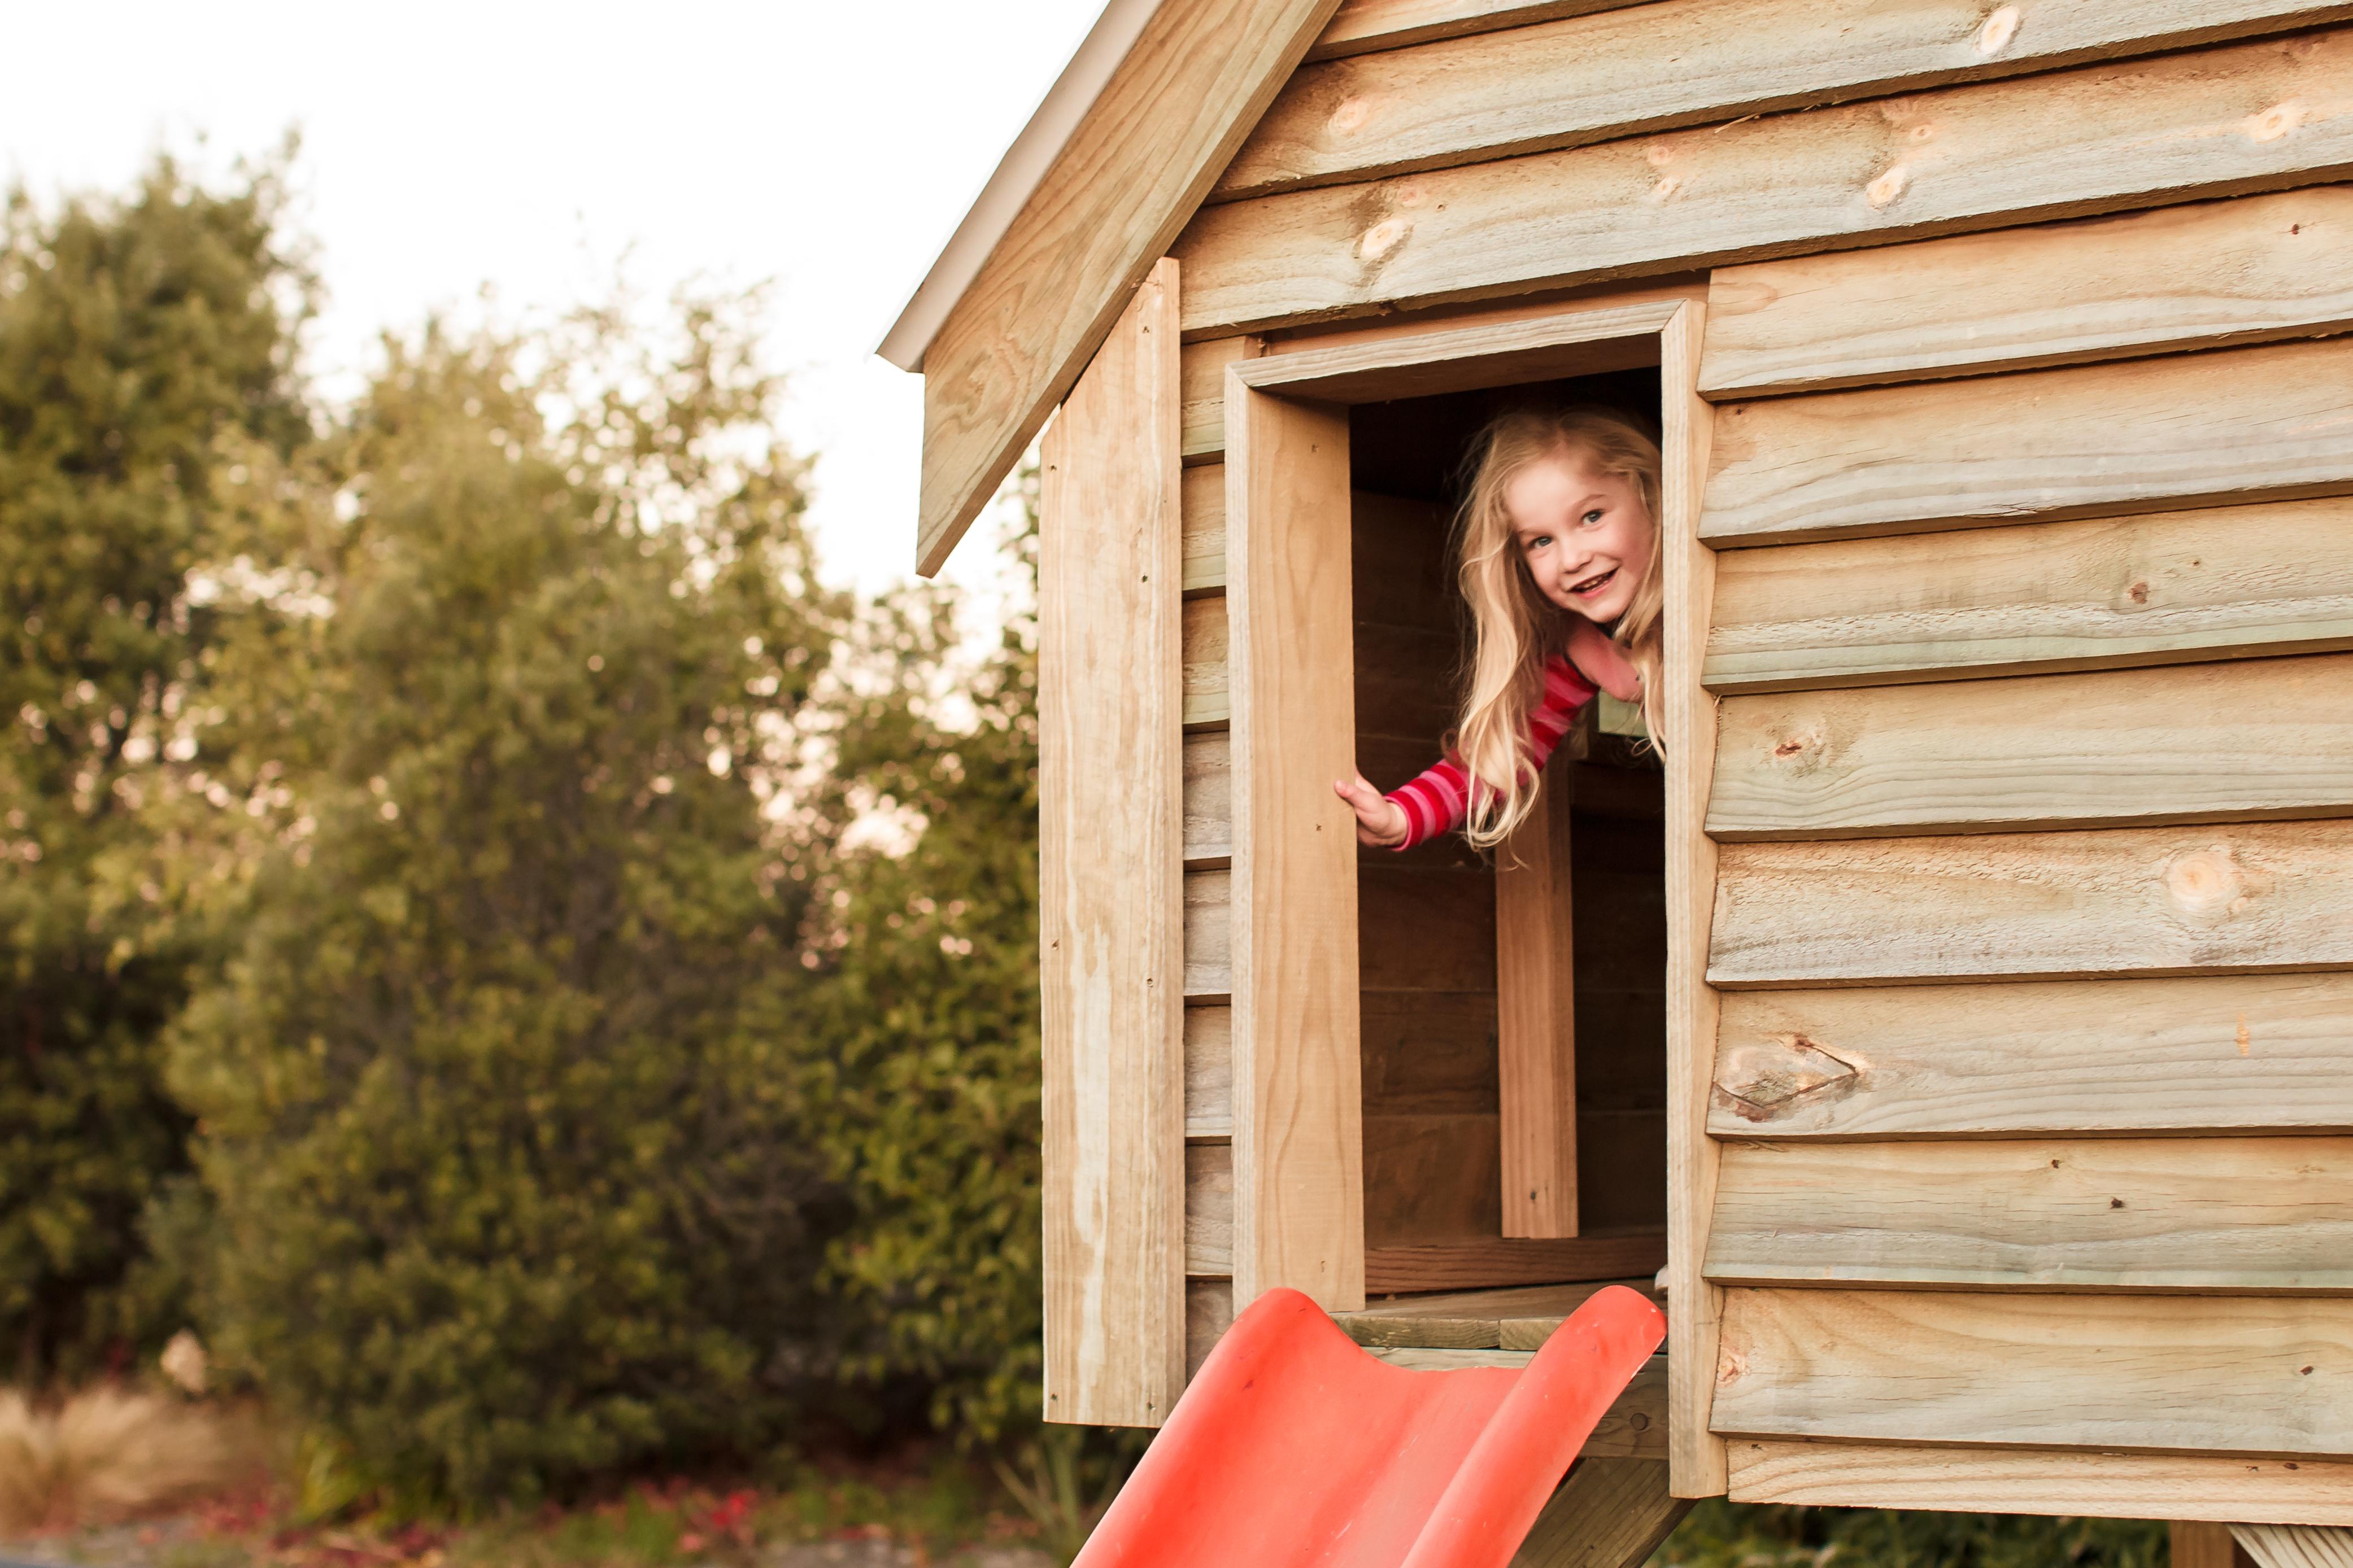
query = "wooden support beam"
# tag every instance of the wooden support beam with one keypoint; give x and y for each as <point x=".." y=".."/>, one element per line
<point x="2156" y="900"/>
<point x="2158" y="588"/>
<point x="1109" y="912"/>
<point x="1595" y="78"/>
<point x="2198" y="1544"/>
<point x="1364" y="26"/>
<point x="2273" y="422"/>
<point x="1536" y="985"/>
<point x="1298" y="1152"/>
<point x="2238" y="742"/>
<point x="2101" y="137"/>
<point x="1608" y="1513"/>
<point x="2204" y="275"/>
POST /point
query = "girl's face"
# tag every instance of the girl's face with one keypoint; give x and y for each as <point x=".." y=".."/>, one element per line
<point x="1585" y="537"/>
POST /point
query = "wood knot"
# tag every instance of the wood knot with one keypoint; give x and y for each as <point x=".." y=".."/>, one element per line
<point x="2205" y="886"/>
<point x="1764" y="1080"/>
<point x="2000" y="27"/>
<point x="1351" y="115"/>
<point x="2274" y="122"/>
<point x="1667" y="189"/>
<point x="1382" y="237"/>
<point x="1884" y="190"/>
<point x="2137" y="593"/>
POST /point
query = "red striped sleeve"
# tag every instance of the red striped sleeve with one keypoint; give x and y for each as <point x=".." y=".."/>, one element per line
<point x="1435" y="800"/>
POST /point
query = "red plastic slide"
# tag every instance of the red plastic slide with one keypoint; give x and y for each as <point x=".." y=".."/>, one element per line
<point x="1293" y="1446"/>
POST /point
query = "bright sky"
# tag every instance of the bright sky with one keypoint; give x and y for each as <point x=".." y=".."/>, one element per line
<point x="830" y="146"/>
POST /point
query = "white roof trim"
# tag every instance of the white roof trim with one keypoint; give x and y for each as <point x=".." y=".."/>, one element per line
<point x="1025" y="163"/>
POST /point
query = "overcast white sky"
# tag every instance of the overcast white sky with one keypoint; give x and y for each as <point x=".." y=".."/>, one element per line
<point x="831" y="146"/>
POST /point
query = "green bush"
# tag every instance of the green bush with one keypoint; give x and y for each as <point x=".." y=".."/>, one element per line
<point x="1720" y="1535"/>
<point x="508" y="1176"/>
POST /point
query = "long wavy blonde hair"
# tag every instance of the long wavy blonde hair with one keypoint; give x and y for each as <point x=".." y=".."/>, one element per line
<point x="1515" y="628"/>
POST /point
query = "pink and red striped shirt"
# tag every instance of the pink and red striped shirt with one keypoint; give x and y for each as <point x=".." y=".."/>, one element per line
<point x="1434" y="802"/>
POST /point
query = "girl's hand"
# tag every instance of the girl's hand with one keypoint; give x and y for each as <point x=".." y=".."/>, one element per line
<point x="1380" y="821"/>
<point x="1603" y="662"/>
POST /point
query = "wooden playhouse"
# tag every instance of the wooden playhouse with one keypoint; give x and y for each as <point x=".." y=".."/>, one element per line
<point x="1961" y="1012"/>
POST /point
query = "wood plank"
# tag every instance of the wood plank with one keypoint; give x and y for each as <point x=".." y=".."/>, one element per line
<point x="2200" y="1543"/>
<point x="2271" y="422"/>
<point x="1208" y="936"/>
<point x="1362" y="25"/>
<point x="2241" y="741"/>
<point x="1204" y="368"/>
<point x="1480" y="1264"/>
<point x="1431" y="1180"/>
<point x="2252" y="1374"/>
<point x="1535" y="991"/>
<point x="1598" y="77"/>
<point x="1429" y="1053"/>
<point x="1208" y="1210"/>
<point x="1688" y="714"/>
<point x="2257" y="1053"/>
<point x="1209" y="801"/>
<point x="1210" y="1073"/>
<point x="1608" y="1513"/>
<point x="2204" y="275"/>
<point x="1298" y="1154"/>
<point x="1140" y="160"/>
<point x="1205" y="529"/>
<point x="2265" y="578"/>
<point x="2159" y="900"/>
<point x="2230" y="1215"/>
<point x="2295" y="1545"/>
<point x="1520" y="1318"/>
<point x="1207" y="702"/>
<point x="2073" y="1481"/>
<point x="1208" y="1313"/>
<point x="1633" y="1427"/>
<point x="1110" y="912"/>
<point x="2220" y="121"/>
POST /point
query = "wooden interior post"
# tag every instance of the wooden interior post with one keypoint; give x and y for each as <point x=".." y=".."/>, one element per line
<point x="1110" y="911"/>
<point x="1299" y="1206"/>
<point x="1535" y="1035"/>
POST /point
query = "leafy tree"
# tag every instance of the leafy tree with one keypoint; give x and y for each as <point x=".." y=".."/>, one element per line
<point x="146" y="353"/>
<point x="500" y="1128"/>
<point x="927" y="1014"/>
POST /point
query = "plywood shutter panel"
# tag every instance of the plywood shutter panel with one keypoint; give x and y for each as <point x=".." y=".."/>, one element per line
<point x="1111" y="823"/>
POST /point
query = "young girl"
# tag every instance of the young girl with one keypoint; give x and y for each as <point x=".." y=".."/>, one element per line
<point x="1559" y="551"/>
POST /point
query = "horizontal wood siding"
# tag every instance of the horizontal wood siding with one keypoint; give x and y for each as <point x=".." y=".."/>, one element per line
<point x="2233" y="1215"/>
<point x="2196" y="1373"/>
<point x="2199" y="276"/>
<point x="1595" y="78"/>
<point x="2258" y="1053"/>
<point x="2219" y="121"/>
<point x="2203" y="742"/>
<point x="2082" y="440"/>
<point x="1362" y="25"/>
<point x="2268" y="578"/>
<point x="2167" y="901"/>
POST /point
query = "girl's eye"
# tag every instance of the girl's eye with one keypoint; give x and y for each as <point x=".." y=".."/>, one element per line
<point x="1592" y="517"/>
<point x="1539" y="542"/>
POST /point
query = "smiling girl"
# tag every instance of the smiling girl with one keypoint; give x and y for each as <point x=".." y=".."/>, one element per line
<point x="1559" y="550"/>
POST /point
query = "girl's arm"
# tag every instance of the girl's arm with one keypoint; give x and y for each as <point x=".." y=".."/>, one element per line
<point x="1434" y="802"/>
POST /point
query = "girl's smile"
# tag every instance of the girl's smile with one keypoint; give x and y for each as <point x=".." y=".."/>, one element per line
<point x="1578" y="530"/>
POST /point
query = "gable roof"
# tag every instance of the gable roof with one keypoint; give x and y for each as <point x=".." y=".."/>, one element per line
<point x="1093" y="192"/>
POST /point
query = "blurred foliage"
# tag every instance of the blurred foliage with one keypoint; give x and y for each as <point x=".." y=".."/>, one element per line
<point x="1720" y="1535"/>
<point x="146" y="356"/>
<point x="505" y="1179"/>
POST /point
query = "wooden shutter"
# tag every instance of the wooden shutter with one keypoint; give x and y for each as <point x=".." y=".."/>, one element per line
<point x="1111" y="907"/>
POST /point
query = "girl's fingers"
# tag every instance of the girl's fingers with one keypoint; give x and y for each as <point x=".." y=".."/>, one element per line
<point x="1380" y="821"/>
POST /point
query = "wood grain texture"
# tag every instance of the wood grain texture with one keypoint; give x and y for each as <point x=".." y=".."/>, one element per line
<point x="1209" y="1210"/>
<point x="1204" y="367"/>
<point x="2039" y="1480"/>
<point x="1210" y="1073"/>
<point x="1633" y="1427"/>
<point x="2199" y="275"/>
<point x="1205" y="529"/>
<point x="1599" y="77"/>
<point x="1520" y="1318"/>
<point x="1482" y="1264"/>
<point x="1110" y="915"/>
<point x="1362" y="25"/>
<point x="2296" y="1545"/>
<point x="2250" y="424"/>
<point x="2256" y="1053"/>
<point x="1688" y="713"/>
<point x="1208" y="701"/>
<point x="1208" y="936"/>
<point x="2199" y="1543"/>
<point x="1208" y="1313"/>
<point x="2265" y="578"/>
<point x="2228" y="1216"/>
<point x="1139" y="161"/>
<point x="1535" y="990"/>
<point x="1608" y="1513"/>
<point x="1298" y="1153"/>
<point x="2258" y="1375"/>
<point x="2240" y="741"/>
<point x="2159" y="900"/>
<point x="1209" y="801"/>
<point x="2217" y="122"/>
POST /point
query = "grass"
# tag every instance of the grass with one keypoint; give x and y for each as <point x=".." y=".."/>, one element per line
<point x="110" y="1454"/>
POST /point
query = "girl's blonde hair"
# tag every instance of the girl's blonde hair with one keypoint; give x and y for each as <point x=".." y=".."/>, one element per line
<point x="1515" y="628"/>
